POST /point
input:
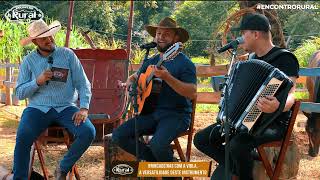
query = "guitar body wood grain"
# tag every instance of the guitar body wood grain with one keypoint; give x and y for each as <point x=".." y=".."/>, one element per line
<point x="144" y="87"/>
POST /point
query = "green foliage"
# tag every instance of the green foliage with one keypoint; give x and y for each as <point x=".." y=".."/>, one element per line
<point x="9" y="43"/>
<point x="201" y="18"/>
<point x="305" y="51"/>
<point x="110" y="44"/>
<point x="108" y="22"/>
<point x="200" y="60"/>
<point x="299" y="24"/>
<point x="137" y="56"/>
<point x="98" y="15"/>
<point x="301" y="95"/>
<point x="13" y="33"/>
<point x="121" y="14"/>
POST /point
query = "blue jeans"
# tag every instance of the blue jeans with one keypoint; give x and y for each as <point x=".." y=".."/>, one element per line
<point x="165" y="127"/>
<point x="209" y="141"/>
<point x="34" y="122"/>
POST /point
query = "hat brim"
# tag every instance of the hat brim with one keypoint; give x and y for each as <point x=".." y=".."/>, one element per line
<point x="236" y="29"/>
<point x="54" y="27"/>
<point x="183" y="34"/>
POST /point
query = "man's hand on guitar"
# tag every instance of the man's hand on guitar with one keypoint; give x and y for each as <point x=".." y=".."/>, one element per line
<point x="160" y="72"/>
<point x="268" y="104"/>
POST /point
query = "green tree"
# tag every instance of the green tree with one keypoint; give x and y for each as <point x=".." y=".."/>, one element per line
<point x="95" y="15"/>
<point x="11" y="49"/>
<point x="201" y="18"/>
<point x="306" y="49"/>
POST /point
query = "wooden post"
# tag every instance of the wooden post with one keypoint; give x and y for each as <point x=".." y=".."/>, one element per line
<point x="88" y="39"/>
<point x="69" y="28"/>
<point x="212" y="59"/>
<point x="8" y="79"/>
<point x="130" y="24"/>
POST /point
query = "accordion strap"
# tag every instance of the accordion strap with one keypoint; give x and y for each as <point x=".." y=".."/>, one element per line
<point x="273" y="56"/>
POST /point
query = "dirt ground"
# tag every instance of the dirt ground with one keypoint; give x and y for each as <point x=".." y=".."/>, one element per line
<point x="91" y="164"/>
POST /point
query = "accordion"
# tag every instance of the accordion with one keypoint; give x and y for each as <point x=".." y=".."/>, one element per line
<point x="250" y="80"/>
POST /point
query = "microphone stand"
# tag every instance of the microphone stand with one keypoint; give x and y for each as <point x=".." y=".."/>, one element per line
<point x="133" y="95"/>
<point x="224" y="116"/>
<point x="225" y="119"/>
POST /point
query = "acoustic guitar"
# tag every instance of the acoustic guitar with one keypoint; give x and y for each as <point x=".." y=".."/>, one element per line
<point x="145" y="81"/>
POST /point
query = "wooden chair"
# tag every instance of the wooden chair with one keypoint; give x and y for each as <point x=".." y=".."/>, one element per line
<point x="103" y="68"/>
<point x="176" y="144"/>
<point x="275" y="173"/>
<point x="43" y="139"/>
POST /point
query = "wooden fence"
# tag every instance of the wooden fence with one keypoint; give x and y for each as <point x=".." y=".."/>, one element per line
<point x="8" y="81"/>
<point x="220" y="70"/>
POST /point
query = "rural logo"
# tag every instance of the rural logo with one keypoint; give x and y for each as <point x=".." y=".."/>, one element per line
<point x="58" y="74"/>
<point x="24" y="12"/>
<point x="122" y="169"/>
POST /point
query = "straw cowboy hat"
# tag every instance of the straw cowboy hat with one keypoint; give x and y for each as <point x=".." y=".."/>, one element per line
<point x="169" y="24"/>
<point x="39" y="29"/>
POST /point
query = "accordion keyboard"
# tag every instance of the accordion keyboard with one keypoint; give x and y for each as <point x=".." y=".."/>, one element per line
<point x="254" y="113"/>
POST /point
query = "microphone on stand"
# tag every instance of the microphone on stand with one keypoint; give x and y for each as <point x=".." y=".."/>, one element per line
<point x="148" y="45"/>
<point x="231" y="45"/>
<point x="49" y="66"/>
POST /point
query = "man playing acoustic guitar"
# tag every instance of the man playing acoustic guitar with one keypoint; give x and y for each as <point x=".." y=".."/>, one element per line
<point x="171" y="115"/>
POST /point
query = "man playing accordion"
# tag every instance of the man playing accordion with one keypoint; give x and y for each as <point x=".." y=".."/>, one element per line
<point x="255" y="29"/>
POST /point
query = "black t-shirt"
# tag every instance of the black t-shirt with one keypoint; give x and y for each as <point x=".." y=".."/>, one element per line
<point x="287" y="63"/>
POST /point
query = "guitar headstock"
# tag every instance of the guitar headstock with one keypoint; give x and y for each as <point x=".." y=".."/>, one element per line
<point x="173" y="51"/>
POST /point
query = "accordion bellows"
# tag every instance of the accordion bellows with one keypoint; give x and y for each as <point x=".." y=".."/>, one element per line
<point x="250" y="80"/>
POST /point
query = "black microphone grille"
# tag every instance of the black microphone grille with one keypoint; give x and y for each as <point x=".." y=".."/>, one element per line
<point x="50" y="59"/>
<point x="149" y="45"/>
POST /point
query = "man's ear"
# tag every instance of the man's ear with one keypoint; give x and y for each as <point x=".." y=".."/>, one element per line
<point x="256" y="34"/>
<point x="34" y="41"/>
<point x="176" y="38"/>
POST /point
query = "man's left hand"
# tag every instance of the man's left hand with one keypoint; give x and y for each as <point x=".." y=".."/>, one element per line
<point x="161" y="72"/>
<point x="80" y="116"/>
<point x="268" y="104"/>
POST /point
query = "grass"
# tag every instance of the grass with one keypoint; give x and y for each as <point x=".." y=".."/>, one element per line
<point x="8" y="123"/>
<point x="200" y="60"/>
<point x="206" y="108"/>
<point x="205" y="89"/>
<point x="204" y="81"/>
<point x="301" y="95"/>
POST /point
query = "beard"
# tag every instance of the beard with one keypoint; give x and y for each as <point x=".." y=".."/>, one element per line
<point x="46" y="49"/>
<point x="164" y="49"/>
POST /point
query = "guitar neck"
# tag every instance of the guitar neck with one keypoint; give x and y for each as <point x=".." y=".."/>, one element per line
<point x="152" y="73"/>
<point x="160" y="62"/>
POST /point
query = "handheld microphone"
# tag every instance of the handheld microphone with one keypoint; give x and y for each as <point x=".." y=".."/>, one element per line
<point x="148" y="45"/>
<point x="49" y="66"/>
<point x="233" y="44"/>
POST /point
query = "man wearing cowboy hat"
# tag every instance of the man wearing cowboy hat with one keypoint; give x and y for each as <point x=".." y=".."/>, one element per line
<point x="51" y="102"/>
<point x="171" y="116"/>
